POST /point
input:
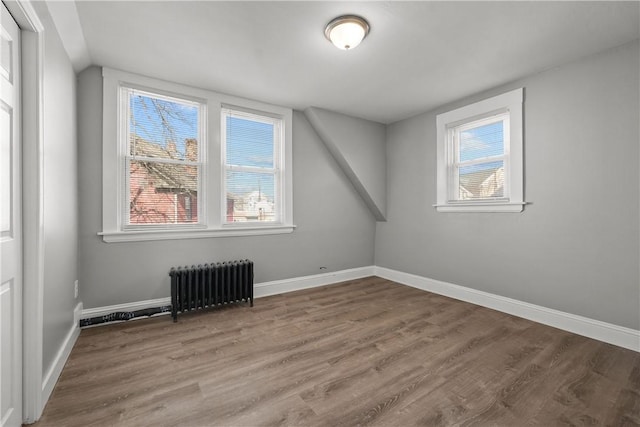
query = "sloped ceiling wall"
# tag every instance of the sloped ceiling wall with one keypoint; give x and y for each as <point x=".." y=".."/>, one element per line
<point x="359" y="148"/>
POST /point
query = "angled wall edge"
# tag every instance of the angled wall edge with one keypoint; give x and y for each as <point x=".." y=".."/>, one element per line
<point x="359" y="148"/>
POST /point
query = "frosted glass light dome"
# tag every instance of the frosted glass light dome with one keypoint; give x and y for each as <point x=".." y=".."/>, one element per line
<point x="346" y="32"/>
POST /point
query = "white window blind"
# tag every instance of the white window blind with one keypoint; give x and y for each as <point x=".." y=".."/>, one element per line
<point x="252" y="146"/>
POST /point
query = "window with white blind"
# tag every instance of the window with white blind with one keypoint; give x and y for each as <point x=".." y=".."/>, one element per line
<point x="479" y="156"/>
<point x="162" y="160"/>
<point x="252" y="147"/>
<point x="178" y="162"/>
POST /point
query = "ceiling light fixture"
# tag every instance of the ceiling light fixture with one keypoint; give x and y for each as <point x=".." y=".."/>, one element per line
<point x="347" y="31"/>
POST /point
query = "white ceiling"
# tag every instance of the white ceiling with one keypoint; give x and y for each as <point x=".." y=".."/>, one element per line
<point x="419" y="55"/>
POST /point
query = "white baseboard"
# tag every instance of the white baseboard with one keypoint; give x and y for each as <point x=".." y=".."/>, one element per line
<point x="52" y="375"/>
<point x="602" y="331"/>
<point x="298" y="283"/>
<point x="259" y="290"/>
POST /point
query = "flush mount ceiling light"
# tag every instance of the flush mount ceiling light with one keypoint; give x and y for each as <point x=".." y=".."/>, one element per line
<point x="347" y="31"/>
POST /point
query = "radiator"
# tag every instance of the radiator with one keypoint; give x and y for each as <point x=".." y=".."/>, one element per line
<point x="210" y="285"/>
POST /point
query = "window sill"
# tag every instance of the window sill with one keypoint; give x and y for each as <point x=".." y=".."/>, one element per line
<point x="149" y="235"/>
<point x="482" y="207"/>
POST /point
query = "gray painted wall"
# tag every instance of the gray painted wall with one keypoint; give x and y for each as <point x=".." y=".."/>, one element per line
<point x="334" y="227"/>
<point x="359" y="147"/>
<point x="60" y="191"/>
<point x="576" y="247"/>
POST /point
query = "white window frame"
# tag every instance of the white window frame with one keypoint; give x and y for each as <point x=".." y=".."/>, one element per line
<point x="212" y="191"/>
<point x="125" y="156"/>
<point x="278" y="160"/>
<point x="508" y="108"/>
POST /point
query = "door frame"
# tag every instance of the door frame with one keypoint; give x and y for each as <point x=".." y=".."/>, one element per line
<point x="32" y="34"/>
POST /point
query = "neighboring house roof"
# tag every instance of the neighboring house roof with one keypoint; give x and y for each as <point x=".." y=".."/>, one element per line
<point x="472" y="183"/>
<point x="168" y="176"/>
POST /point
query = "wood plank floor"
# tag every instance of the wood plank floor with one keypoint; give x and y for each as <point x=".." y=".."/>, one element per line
<point x="365" y="352"/>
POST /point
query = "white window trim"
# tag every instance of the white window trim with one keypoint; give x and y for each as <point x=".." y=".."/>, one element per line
<point x="123" y="167"/>
<point x="277" y="169"/>
<point x="212" y="165"/>
<point x="513" y="201"/>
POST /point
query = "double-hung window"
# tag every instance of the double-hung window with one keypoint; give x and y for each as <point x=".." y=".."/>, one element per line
<point x="480" y="156"/>
<point x="252" y="153"/>
<point x="181" y="162"/>
<point x="162" y="167"/>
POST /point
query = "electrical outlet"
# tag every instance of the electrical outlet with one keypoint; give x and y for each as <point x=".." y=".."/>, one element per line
<point x="75" y="289"/>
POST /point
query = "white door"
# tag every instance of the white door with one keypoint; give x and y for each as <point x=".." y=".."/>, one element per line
<point x="10" y="226"/>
